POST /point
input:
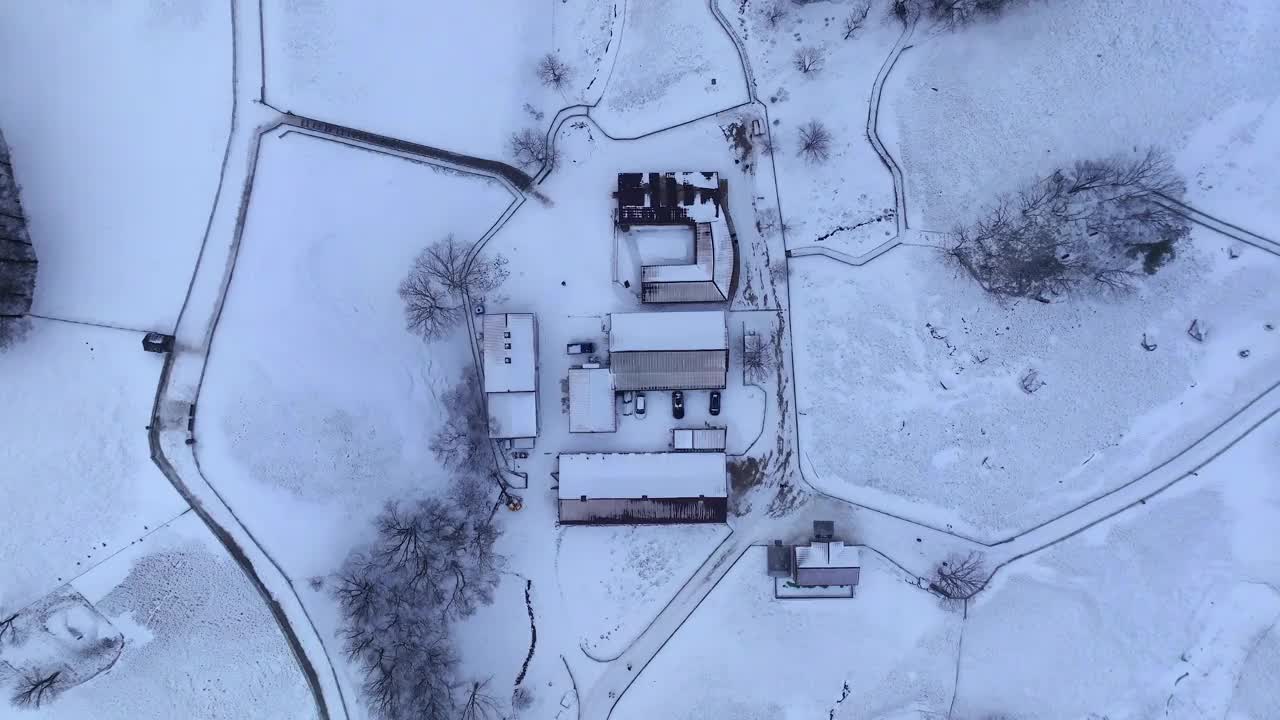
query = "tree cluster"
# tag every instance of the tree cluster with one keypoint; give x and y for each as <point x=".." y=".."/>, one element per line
<point x="17" y="258"/>
<point x="441" y="279"/>
<point x="954" y="13"/>
<point x="462" y="442"/>
<point x="1096" y="224"/>
<point x="433" y="562"/>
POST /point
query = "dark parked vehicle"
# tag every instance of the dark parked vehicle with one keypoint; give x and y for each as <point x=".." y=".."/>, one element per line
<point x="677" y="404"/>
<point x="715" y="402"/>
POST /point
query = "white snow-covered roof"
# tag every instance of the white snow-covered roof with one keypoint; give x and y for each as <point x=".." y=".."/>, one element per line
<point x="638" y="332"/>
<point x="510" y="352"/>
<point x="591" y="400"/>
<point x="834" y="554"/>
<point x="638" y="475"/>
<point x="706" y="279"/>
<point x="513" y="414"/>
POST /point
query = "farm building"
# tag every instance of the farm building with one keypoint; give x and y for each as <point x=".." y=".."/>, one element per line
<point x="591" y="401"/>
<point x="669" y="351"/>
<point x="694" y="200"/>
<point x="826" y="567"/>
<point x="643" y="488"/>
<point x="510" y="349"/>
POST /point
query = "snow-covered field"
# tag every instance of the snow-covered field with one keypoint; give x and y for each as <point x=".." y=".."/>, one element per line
<point x="744" y="654"/>
<point x="845" y="202"/>
<point x="75" y="468"/>
<point x="198" y="641"/>
<point x="614" y="580"/>
<point x="117" y="117"/>
<point x="910" y="394"/>
<point x="1154" y="614"/>
<point x="453" y="75"/>
<point x="977" y="112"/>
<point x="318" y="404"/>
<point x="675" y="64"/>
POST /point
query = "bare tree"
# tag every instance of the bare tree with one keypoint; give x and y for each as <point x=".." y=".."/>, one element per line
<point x="442" y="276"/>
<point x="553" y="72"/>
<point x="17" y="258"/>
<point x="856" y="18"/>
<point x="960" y="577"/>
<point x="815" y="142"/>
<point x="774" y="13"/>
<point x="432" y="563"/>
<point x="462" y="442"/>
<point x="36" y="688"/>
<point x="954" y="13"/>
<point x="532" y="149"/>
<point x="809" y="59"/>
<point x="521" y="699"/>
<point x="6" y="626"/>
<point x="1096" y="224"/>
<point x="478" y="704"/>
<point x="759" y="356"/>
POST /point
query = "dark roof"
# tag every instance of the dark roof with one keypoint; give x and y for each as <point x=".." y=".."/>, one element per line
<point x="669" y="369"/>
<point x="659" y="511"/>
<point x="779" y="560"/>
<point x="809" y="577"/>
<point x="824" y="529"/>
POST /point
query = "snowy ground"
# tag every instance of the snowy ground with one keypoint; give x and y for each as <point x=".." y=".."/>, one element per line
<point x="76" y="466"/>
<point x="931" y="367"/>
<point x="977" y="112"/>
<point x="456" y="76"/>
<point x="614" y="579"/>
<point x="1154" y="614"/>
<point x="117" y="129"/>
<point x="199" y="642"/>
<point x="318" y="404"/>
<point x="745" y="654"/>
<point x="846" y="202"/>
<point x="675" y="64"/>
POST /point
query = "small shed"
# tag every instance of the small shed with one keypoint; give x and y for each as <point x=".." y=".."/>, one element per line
<point x="157" y="342"/>
<point x="592" y="406"/>
<point x="779" y="560"/>
<point x="698" y="439"/>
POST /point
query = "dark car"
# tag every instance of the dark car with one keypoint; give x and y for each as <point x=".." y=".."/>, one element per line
<point x="715" y="402"/>
<point x="677" y="404"/>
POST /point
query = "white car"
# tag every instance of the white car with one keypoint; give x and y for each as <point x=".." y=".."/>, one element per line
<point x="640" y="405"/>
<point x="627" y="398"/>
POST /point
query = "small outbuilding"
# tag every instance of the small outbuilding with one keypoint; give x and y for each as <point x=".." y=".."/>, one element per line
<point x="592" y="406"/>
<point x="710" y="439"/>
<point x="824" y="568"/>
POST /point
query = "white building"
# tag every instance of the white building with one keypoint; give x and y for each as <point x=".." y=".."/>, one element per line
<point x="592" y="401"/>
<point x="510" y="360"/>
<point x="669" y="350"/>
<point x="643" y="488"/>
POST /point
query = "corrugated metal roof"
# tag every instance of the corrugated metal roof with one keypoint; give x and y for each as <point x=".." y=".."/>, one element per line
<point x="643" y="331"/>
<point x="605" y="511"/>
<point x="707" y="279"/>
<point x="689" y="370"/>
<point x="591" y="400"/>
<point x="698" y="438"/>
<point x="510" y="352"/>
<point x="637" y="475"/>
<point x="834" y="554"/>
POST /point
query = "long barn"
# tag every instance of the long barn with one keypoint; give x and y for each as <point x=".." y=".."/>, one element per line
<point x="643" y="488"/>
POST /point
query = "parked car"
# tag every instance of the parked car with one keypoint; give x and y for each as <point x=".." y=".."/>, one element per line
<point x="628" y="398"/>
<point x="639" y="405"/>
<point x="580" y="348"/>
<point x="677" y="404"/>
<point x="715" y="402"/>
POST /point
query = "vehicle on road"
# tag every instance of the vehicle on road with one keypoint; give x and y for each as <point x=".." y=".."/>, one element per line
<point x="580" y="348"/>
<point x="639" y="405"/>
<point x="677" y="404"/>
<point x="715" y="402"/>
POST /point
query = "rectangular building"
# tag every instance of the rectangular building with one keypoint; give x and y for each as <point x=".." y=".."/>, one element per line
<point x="592" y="406"/>
<point x="827" y="563"/>
<point x="669" y="351"/>
<point x="643" y="488"/>
<point x="509" y="347"/>
<point x="698" y="439"/>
